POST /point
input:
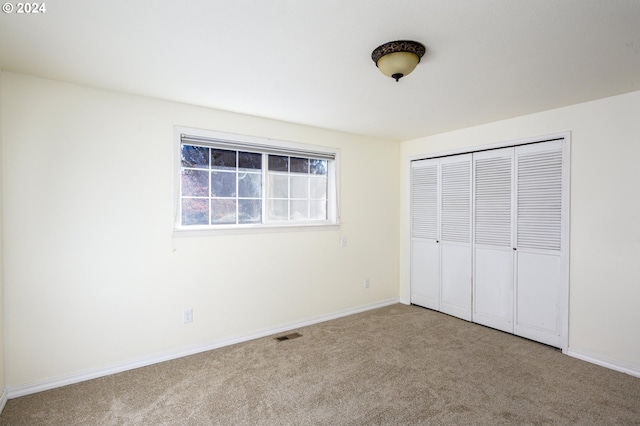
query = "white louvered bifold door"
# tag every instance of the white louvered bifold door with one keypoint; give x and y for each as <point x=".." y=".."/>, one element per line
<point x="539" y="219"/>
<point x="455" y="236"/>
<point x="493" y="298"/>
<point x="425" y="252"/>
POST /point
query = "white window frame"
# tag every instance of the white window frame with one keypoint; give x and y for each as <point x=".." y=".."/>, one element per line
<point x="264" y="146"/>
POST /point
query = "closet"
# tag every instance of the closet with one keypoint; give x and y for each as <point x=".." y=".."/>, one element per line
<point x="489" y="237"/>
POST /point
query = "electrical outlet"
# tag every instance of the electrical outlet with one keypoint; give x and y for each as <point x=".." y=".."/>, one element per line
<point x="187" y="316"/>
<point x="343" y="241"/>
<point x="366" y="283"/>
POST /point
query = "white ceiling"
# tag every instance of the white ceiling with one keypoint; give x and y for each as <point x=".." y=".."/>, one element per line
<point x="309" y="62"/>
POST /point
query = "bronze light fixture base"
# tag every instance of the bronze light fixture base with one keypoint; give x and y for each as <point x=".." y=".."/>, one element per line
<point x="397" y="59"/>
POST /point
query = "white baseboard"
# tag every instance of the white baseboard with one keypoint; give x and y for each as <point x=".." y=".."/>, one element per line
<point x="15" y="392"/>
<point x="3" y="400"/>
<point x="604" y="361"/>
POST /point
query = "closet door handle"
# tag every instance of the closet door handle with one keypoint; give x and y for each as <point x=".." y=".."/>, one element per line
<point x="514" y="249"/>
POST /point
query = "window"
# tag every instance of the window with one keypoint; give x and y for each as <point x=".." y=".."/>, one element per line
<point x="229" y="182"/>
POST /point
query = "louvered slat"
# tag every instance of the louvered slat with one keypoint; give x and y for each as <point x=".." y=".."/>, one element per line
<point x="456" y="202"/>
<point x="424" y="201"/>
<point x="493" y="201"/>
<point x="539" y="206"/>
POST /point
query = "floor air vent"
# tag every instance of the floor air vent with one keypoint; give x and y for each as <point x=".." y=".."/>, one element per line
<point x="288" y="337"/>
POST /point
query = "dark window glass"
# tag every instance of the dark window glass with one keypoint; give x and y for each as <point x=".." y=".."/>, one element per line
<point x="249" y="160"/>
<point x="299" y="165"/>
<point x="223" y="159"/>
<point x="278" y="163"/>
<point x="195" y="156"/>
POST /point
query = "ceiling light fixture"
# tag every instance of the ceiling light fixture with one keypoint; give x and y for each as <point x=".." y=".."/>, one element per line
<point x="398" y="58"/>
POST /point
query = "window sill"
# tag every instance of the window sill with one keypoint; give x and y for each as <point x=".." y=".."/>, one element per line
<point x="253" y="229"/>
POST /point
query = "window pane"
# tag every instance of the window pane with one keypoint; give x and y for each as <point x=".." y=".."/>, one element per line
<point x="249" y="160"/>
<point x="195" y="156"/>
<point x="318" y="167"/>
<point x="223" y="211"/>
<point x="195" y="211"/>
<point x="299" y="165"/>
<point x="278" y="163"/>
<point x="249" y="211"/>
<point x="278" y="209"/>
<point x="318" y="210"/>
<point x="249" y="185"/>
<point x="195" y="183"/>
<point x="223" y="159"/>
<point x="299" y="210"/>
<point x="318" y="188"/>
<point x="278" y="186"/>
<point x="223" y="184"/>
<point x="299" y="186"/>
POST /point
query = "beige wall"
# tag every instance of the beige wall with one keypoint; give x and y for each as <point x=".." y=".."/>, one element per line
<point x="604" y="317"/>
<point x="93" y="277"/>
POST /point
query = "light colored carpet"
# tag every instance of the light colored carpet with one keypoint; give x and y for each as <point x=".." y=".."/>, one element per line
<point x="399" y="365"/>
